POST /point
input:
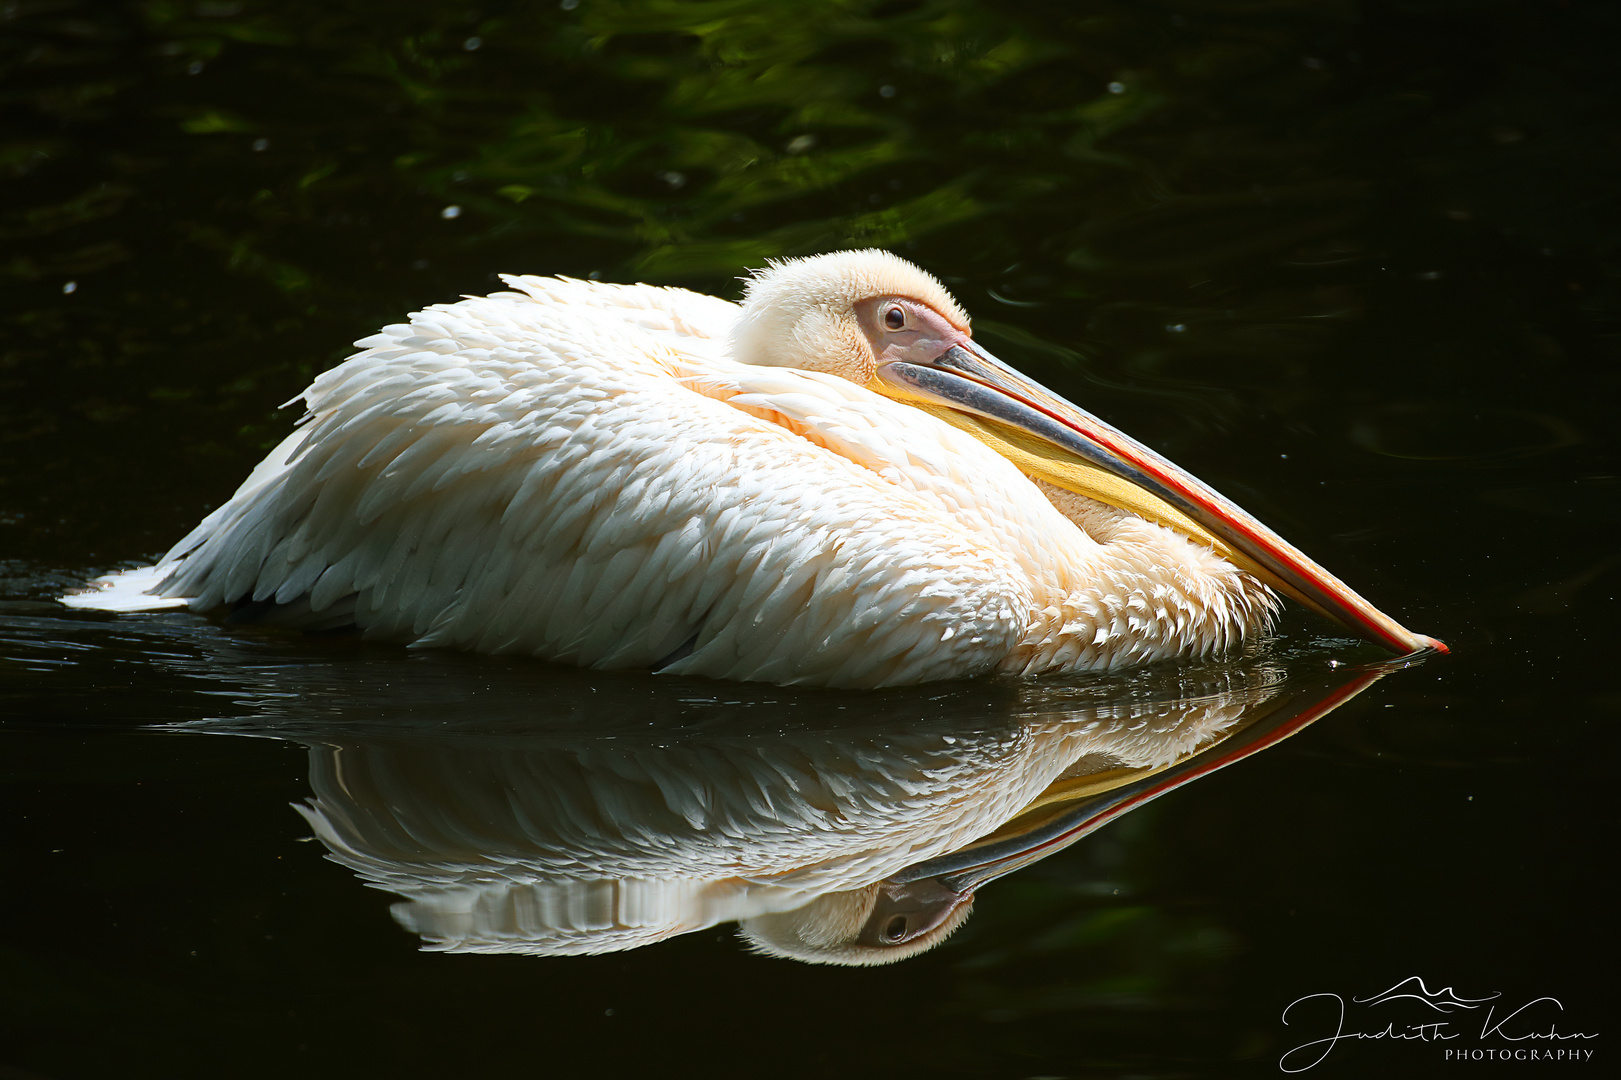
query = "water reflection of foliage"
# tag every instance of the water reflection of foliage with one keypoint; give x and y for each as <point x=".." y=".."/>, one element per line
<point x="1199" y="195"/>
<point x="689" y="139"/>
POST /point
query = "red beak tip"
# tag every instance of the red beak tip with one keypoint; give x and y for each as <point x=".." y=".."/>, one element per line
<point x="1434" y="644"/>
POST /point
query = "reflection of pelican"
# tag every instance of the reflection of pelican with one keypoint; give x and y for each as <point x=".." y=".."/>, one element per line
<point x="852" y="846"/>
<point x="832" y="484"/>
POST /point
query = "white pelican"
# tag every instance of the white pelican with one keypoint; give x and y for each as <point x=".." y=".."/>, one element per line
<point x="830" y="484"/>
<point x="859" y="845"/>
<point x="567" y="843"/>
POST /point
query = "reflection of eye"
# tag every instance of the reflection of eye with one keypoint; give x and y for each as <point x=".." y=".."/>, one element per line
<point x="895" y="318"/>
<point x="895" y="929"/>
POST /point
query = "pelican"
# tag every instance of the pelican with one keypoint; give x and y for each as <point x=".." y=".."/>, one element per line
<point x="846" y="843"/>
<point x="829" y="484"/>
<point x="561" y="840"/>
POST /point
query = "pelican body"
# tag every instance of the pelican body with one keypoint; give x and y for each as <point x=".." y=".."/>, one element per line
<point x="845" y="845"/>
<point x="829" y="484"/>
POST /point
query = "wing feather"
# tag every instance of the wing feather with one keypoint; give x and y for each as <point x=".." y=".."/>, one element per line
<point x="576" y="471"/>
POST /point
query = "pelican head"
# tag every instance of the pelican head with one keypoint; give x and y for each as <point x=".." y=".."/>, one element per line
<point x="875" y="319"/>
<point x="845" y="313"/>
<point x="878" y="924"/>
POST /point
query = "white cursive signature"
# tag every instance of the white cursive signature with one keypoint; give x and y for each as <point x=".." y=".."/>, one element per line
<point x="1527" y="1022"/>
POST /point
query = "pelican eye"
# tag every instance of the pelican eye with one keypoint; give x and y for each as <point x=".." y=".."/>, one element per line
<point x="895" y="318"/>
<point x="895" y="929"/>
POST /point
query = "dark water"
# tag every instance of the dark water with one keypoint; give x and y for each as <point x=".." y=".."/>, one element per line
<point x="1355" y="265"/>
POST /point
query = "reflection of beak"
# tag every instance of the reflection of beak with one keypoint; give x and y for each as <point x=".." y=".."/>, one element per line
<point x="1044" y="829"/>
<point x="1053" y="440"/>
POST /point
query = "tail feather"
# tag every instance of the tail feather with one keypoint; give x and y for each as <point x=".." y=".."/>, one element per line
<point x="127" y="590"/>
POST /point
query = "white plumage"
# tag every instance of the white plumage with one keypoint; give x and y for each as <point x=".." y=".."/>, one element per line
<point x="629" y="476"/>
<point x="552" y="845"/>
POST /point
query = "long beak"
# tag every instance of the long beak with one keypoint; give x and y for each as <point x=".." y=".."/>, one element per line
<point x="1046" y="830"/>
<point x="1053" y="440"/>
